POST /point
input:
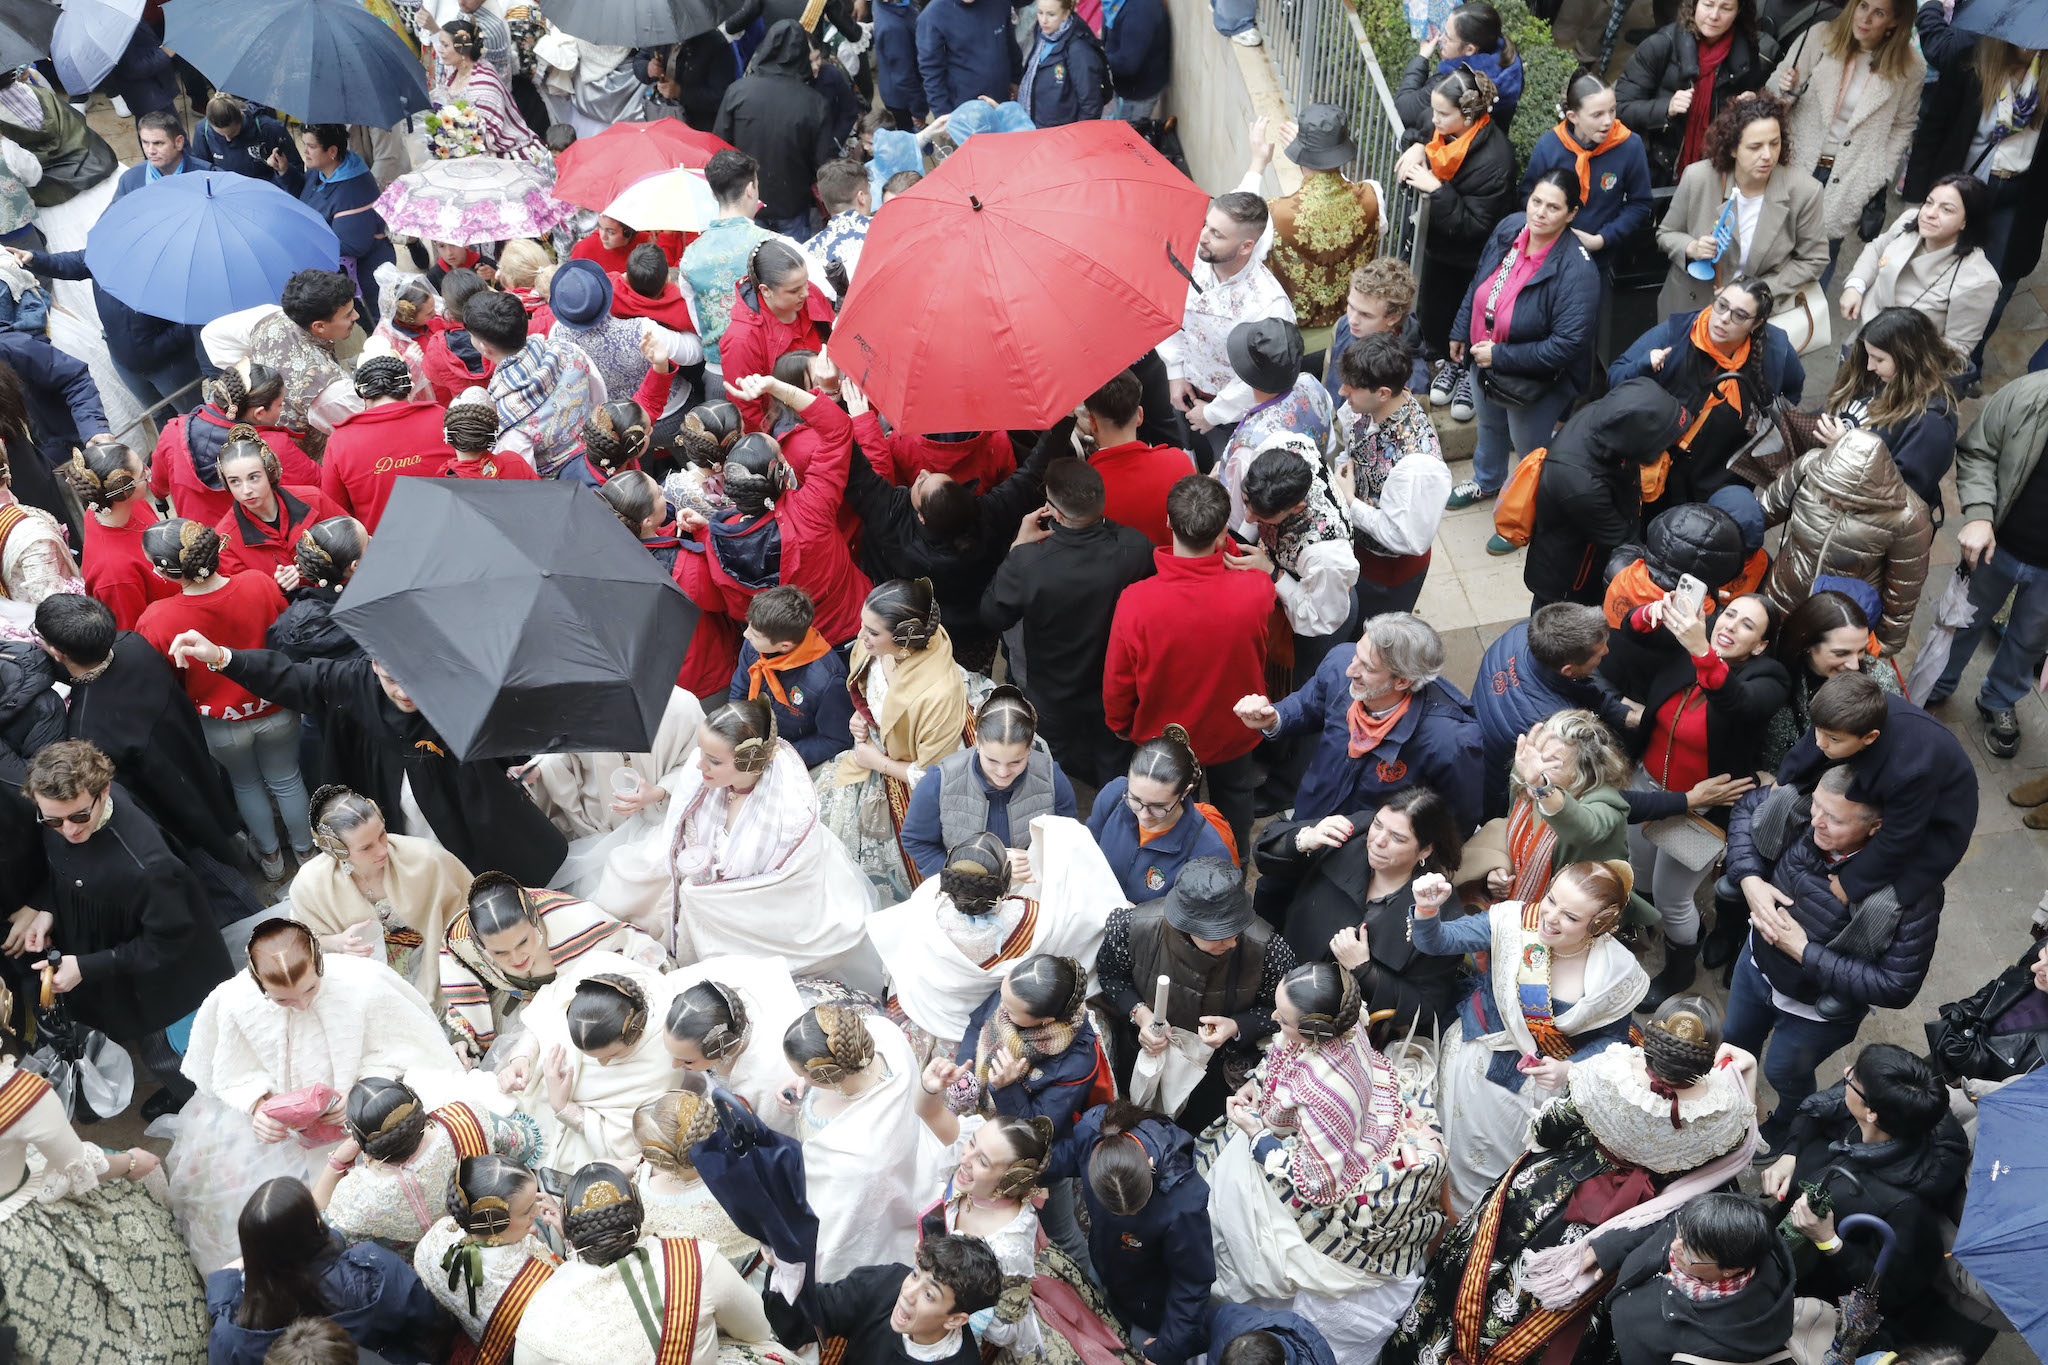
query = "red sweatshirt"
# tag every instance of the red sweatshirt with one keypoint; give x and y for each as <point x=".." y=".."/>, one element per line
<point x="669" y="308"/>
<point x="235" y="615"/>
<point x="1135" y="480"/>
<point x="981" y="461"/>
<point x="116" y="570"/>
<point x="592" y="249"/>
<point x="448" y="372"/>
<point x="248" y="544"/>
<point x="172" y="473"/>
<point x="1184" y="646"/>
<point x="369" y="452"/>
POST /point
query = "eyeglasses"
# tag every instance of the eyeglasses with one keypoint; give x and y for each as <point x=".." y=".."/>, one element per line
<point x="76" y="817"/>
<point x="1849" y="1079"/>
<point x="1725" y="309"/>
<point x="1158" y="810"/>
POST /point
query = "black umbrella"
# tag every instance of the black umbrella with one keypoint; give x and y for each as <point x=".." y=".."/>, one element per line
<point x="25" y="29"/>
<point x="632" y="23"/>
<point x="521" y="617"/>
<point x="2023" y="23"/>
<point x="321" y="61"/>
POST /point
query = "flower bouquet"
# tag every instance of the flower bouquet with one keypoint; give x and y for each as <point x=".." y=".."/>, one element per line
<point x="454" y="130"/>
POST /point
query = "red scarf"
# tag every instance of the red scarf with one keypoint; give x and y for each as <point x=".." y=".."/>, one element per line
<point x="1366" y="731"/>
<point x="762" y="671"/>
<point x="1701" y="114"/>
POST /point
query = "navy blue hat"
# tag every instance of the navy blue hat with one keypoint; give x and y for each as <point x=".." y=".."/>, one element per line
<point x="580" y="295"/>
<point x="1741" y="504"/>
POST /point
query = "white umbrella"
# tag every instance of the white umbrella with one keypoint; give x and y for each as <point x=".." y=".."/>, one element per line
<point x="667" y="201"/>
<point x="1163" y="1080"/>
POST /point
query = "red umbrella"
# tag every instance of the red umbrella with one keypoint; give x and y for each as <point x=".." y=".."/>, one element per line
<point x="1019" y="277"/>
<point x="595" y="170"/>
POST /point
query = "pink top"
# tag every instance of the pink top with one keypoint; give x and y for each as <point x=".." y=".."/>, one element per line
<point x="1527" y="263"/>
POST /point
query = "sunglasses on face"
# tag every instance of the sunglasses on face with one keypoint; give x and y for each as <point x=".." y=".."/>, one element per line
<point x="76" y="817"/>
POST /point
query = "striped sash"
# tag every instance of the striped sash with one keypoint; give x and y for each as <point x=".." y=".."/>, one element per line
<point x="1468" y="1314"/>
<point x="11" y="516"/>
<point x="1019" y="940"/>
<point x="683" y="1270"/>
<point x="19" y="1095"/>
<point x="464" y="1130"/>
<point x="495" y="1347"/>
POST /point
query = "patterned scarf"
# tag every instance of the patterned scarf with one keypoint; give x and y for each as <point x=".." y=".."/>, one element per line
<point x="1317" y="521"/>
<point x="545" y="389"/>
<point x="1376" y="447"/>
<point x="1699" y="1291"/>
<point x="2017" y="104"/>
<point x="999" y="1036"/>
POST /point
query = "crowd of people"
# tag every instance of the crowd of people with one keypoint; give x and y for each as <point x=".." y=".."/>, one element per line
<point x="978" y="964"/>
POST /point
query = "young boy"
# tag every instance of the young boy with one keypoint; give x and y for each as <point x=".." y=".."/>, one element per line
<point x="902" y="1313"/>
<point x="804" y="679"/>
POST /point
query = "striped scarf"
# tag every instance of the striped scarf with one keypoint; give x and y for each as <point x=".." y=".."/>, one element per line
<point x="545" y="392"/>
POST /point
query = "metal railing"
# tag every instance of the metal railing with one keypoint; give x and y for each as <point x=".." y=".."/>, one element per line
<point x="1320" y="55"/>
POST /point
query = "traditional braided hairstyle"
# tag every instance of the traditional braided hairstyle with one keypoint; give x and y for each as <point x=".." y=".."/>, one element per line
<point x="183" y="549"/>
<point x="708" y="432"/>
<point x="1679" y="1046"/>
<point x="712" y="1015"/>
<point x="748" y="724"/>
<point x="242" y="386"/>
<point x="244" y="443"/>
<point x="382" y="376"/>
<point x="829" y="1043"/>
<point x="1471" y="91"/>
<point x="480" y="1194"/>
<point x="336" y="812"/>
<point x="1120" y="1167"/>
<point x="615" y="435"/>
<point x="1050" y="986"/>
<point x="1328" y="999"/>
<point x="1168" y="757"/>
<point x="670" y="1124"/>
<point x="755" y="473"/>
<point x="471" y="423"/>
<point x="463" y="39"/>
<point x="386" y="1118"/>
<point x="498" y="903"/>
<point x="1031" y="1140"/>
<point x="633" y="496"/>
<point x="976" y="876"/>
<point x="104" y="474"/>
<point x="607" y="1008"/>
<point x="1005" y="717"/>
<point x="412" y="303"/>
<point x="328" y="551"/>
<point x="910" y="610"/>
<point x="1609" y="883"/>
<point x="604" y="1214"/>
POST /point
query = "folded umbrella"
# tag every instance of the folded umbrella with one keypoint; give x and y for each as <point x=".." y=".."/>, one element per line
<point x="596" y="170"/>
<point x="195" y="246"/>
<point x="1062" y="248"/>
<point x="2023" y="23"/>
<point x="672" y="201"/>
<point x="2003" y="1240"/>
<point x="632" y="23"/>
<point x="522" y="618"/>
<point x="321" y="61"/>
<point x="473" y="199"/>
<point x="1952" y="612"/>
<point x="89" y="39"/>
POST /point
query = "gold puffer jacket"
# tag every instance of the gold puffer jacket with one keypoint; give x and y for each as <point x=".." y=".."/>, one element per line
<point x="1851" y="514"/>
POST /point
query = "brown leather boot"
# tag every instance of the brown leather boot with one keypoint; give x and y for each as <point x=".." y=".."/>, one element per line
<point x="2030" y="793"/>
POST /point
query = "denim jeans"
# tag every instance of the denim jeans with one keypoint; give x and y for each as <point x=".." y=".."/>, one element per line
<point x="2026" y="633"/>
<point x="1507" y="433"/>
<point x="262" y="760"/>
<point x="1234" y="16"/>
<point x="1800" y="1047"/>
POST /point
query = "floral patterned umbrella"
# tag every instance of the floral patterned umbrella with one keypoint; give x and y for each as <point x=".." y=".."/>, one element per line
<point x="473" y="199"/>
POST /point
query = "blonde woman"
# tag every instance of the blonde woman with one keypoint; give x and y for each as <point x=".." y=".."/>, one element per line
<point x="678" y="1202"/>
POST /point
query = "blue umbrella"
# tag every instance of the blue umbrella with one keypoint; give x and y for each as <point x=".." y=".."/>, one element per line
<point x="2003" y="1240"/>
<point x="321" y="61"/>
<point x="2023" y="23"/>
<point x="204" y="243"/>
<point x="89" y="39"/>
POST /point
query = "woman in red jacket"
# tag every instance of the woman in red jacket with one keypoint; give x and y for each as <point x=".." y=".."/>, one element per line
<point x="393" y="437"/>
<point x="186" y="465"/>
<point x="261" y="529"/>
<point x="109" y="479"/>
<point x="775" y="309"/>
<point x="255" y="740"/>
<point x="779" y="530"/>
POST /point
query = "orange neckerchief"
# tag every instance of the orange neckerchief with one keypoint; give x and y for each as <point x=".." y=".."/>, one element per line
<point x="1446" y="157"/>
<point x="1584" y="155"/>
<point x="1366" y="732"/>
<point x="764" y="669"/>
<point x="1727" y="390"/>
<point x="1629" y="589"/>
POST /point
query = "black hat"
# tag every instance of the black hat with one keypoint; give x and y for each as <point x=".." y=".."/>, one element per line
<point x="1266" y="353"/>
<point x="1208" y="900"/>
<point x="1322" y="142"/>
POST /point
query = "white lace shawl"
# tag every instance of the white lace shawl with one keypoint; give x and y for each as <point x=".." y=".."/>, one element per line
<point x="1634" y="1122"/>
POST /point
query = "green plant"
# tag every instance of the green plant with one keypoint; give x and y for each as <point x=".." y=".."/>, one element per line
<point x="1546" y="66"/>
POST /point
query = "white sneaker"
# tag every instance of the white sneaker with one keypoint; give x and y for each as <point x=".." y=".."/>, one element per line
<point x="120" y="106"/>
<point x="1248" y="38"/>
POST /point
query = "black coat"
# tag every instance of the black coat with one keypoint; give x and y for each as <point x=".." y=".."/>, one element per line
<point x="138" y="922"/>
<point x="1961" y="1043"/>
<point x="1589" y="494"/>
<point x="1464" y="209"/>
<point x="1064" y="590"/>
<point x="773" y="115"/>
<point x="1667" y="62"/>
<point x="31" y="715"/>
<point x="138" y="714"/>
<point x="1329" y="895"/>
<point x="483" y="817"/>
<point x="1910" y="1184"/>
<point x="857" y="1308"/>
<point x="1924" y="781"/>
<point x="895" y="544"/>
<point x="305" y="629"/>
<point x="1651" y="1321"/>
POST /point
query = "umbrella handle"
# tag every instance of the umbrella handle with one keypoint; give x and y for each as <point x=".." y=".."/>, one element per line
<point x="1857" y="1222"/>
<point x="1185" y="273"/>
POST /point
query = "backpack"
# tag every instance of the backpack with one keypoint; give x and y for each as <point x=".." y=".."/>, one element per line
<point x="1514" y="511"/>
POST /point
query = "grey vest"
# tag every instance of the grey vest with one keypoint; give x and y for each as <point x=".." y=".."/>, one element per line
<point x="963" y="804"/>
<point x="1200" y="984"/>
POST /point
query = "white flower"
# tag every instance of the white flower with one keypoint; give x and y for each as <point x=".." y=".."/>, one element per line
<point x="1507" y="1306"/>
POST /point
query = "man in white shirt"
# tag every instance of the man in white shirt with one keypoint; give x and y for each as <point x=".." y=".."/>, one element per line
<point x="1231" y="284"/>
<point x="1392" y="474"/>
